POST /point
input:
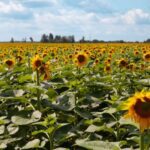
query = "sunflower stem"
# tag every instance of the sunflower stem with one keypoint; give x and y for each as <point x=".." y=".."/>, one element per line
<point x="29" y="65"/>
<point x="142" y="141"/>
<point x="38" y="91"/>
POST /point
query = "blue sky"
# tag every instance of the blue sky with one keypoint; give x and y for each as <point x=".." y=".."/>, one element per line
<point x="95" y="19"/>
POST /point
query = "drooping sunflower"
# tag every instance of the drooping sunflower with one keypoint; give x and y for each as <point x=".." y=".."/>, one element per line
<point x="81" y="59"/>
<point x="36" y="62"/>
<point x="9" y="63"/>
<point x="45" y="70"/>
<point x="138" y="107"/>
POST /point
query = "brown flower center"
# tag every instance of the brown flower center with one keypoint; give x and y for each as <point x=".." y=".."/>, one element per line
<point x="147" y="56"/>
<point x="123" y="63"/>
<point x="38" y="63"/>
<point x="107" y="68"/>
<point x="143" y="108"/>
<point x="9" y="62"/>
<point x="81" y="58"/>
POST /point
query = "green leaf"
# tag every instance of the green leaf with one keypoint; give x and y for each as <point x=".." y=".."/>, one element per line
<point x="61" y="148"/>
<point x="51" y="93"/>
<point x="2" y="129"/>
<point x="3" y="146"/>
<point x="65" y="102"/>
<point x="12" y="129"/>
<point x="25" y="78"/>
<point x="2" y="83"/>
<point x="83" y="113"/>
<point x="50" y="130"/>
<point x="32" y="144"/>
<point x="144" y="82"/>
<point x="124" y="121"/>
<point x="109" y="110"/>
<point x="8" y="141"/>
<point x="98" y="145"/>
<point x="36" y="115"/>
<point x="21" y="120"/>
<point x="18" y="99"/>
<point x="18" y="93"/>
<point x="3" y="120"/>
<point x="94" y="128"/>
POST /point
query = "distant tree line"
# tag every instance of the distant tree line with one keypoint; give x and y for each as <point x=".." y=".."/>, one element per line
<point x="57" y="39"/>
<point x="147" y="41"/>
<point x="50" y="38"/>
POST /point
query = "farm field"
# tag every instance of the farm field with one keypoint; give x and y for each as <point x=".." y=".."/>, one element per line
<point x="74" y="96"/>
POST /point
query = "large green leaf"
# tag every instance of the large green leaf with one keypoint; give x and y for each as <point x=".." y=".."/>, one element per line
<point x="98" y="145"/>
<point x="21" y="120"/>
<point x="65" y="102"/>
<point x="83" y="113"/>
<point x="2" y="129"/>
<point x="61" y="148"/>
<point x="32" y="144"/>
<point x="124" y="121"/>
<point x="51" y="93"/>
<point x="12" y="129"/>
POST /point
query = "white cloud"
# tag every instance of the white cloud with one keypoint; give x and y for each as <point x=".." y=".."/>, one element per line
<point x="79" y="23"/>
<point x="66" y="18"/>
<point x="131" y="17"/>
<point x="136" y="16"/>
<point x="11" y="7"/>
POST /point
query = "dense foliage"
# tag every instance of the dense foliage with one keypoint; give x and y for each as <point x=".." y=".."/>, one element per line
<point x="69" y="96"/>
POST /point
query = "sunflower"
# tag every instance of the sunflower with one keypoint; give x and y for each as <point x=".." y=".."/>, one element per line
<point x="19" y="58"/>
<point x="36" y="62"/>
<point x="147" y="57"/>
<point x="70" y="56"/>
<point x="44" y="55"/>
<point x="138" y="107"/>
<point x="81" y="59"/>
<point x="142" y="66"/>
<point x="9" y="63"/>
<point x="136" y="52"/>
<point x="45" y="70"/>
<point x="132" y="66"/>
<point x="122" y="63"/>
<point x="107" y="68"/>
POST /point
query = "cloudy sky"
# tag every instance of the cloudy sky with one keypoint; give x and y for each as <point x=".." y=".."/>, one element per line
<point x="101" y="19"/>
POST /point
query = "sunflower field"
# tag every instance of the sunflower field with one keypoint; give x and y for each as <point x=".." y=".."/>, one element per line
<point x="74" y="96"/>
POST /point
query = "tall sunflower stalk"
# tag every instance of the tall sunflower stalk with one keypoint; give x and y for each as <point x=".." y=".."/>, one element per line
<point x="36" y="64"/>
<point x="38" y="91"/>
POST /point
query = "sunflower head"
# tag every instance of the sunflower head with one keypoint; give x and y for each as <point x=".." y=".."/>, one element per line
<point x="70" y="56"/>
<point x="36" y="62"/>
<point x="122" y="63"/>
<point x="136" y="52"/>
<point x="147" y="57"/>
<point x="138" y="107"/>
<point x="81" y="59"/>
<point x="107" y="68"/>
<point x="132" y="66"/>
<point x="19" y="58"/>
<point x="44" y="55"/>
<point x="9" y="63"/>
